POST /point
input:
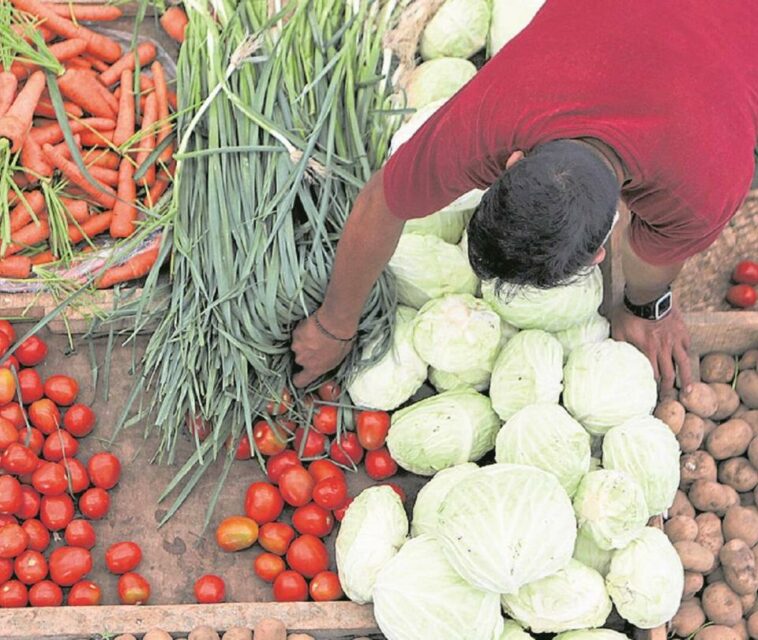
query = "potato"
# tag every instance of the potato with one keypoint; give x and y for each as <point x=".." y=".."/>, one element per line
<point x="717" y="575"/>
<point x="751" y="417"/>
<point x="125" y="636"/>
<point x="681" y="505"/>
<point x="688" y="619"/>
<point x="716" y="632"/>
<point x="741" y="523"/>
<point x="680" y="528"/>
<point x="738" y="473"/>
<point x="157" y="634"/>
<point x="694" y="556"/>
<point x="706" y="495"/>
<point x="727" y="398"/>
<point x="738" y="565"/>
<point x="721" y="605"/>
<point x="672" y="413"/>
<point x="300" y="636"/>
<point x="709" y="532"/>
<point x="729" y="439"/>
<point x="270" y="629"/>
<point x="747" y="387"/>
<point x="748" y="602"/>
<point x="701" y="400"/>
<point x="741" y="630"/>
<point x="752" y="625"/>
<point x="717" y="367"/>
<point x="708" y="427"/>
<point x="691" y="433"/>
<point x="749" y="359"/>
<point x="699" y="465"/>
<point x="747" y="499"/>
<point x="693" y="583"/>
<point x="203" y="633"/>
<point x="238" y="633"/>
<point x="752" y="452"/>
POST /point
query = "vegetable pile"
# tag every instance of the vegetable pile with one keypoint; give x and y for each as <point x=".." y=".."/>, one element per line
<point x="743" y="294"/>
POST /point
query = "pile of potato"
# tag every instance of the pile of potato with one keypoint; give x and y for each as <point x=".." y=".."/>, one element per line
<point x="266" y="629"/>
<point x="713" y="522"/>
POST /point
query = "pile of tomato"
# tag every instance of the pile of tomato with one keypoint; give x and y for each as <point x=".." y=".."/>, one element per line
<point x="743" y="294"/>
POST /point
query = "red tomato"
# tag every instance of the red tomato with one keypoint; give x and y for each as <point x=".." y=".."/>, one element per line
<point x="379" y="464"/>
<point x="325" y="419"/>
<point x="104" y="470"/>
<point x="68" y="565"/>
<point x="5" y="343"/>
<point x="340" y="513"/>
<point x="84" y="593"/>
<point x="276" y="464"/>
<point x="123" y="557"/>
<point x="268" y="566"/>
<point x="263" y="502"/>
<point x="290" y="586"/>
<point x="76" y="475"/>
<point x="80" y="533"/>
<point x="62" y="390"/>
<point x="13" y="540"/>
<point x="329" y="391"/>
<point x="372" y="428"/>
<point x="79" y="420"/>
<point x="741" y="295"/>
<point x="276" y="537"/>
<point x="198" y="427"/>
<point x="8" y="433"/>
<point x="33" y="439"/>
<point x="330" y="493"/>
<point x="133" y="589"/>
<point x="269" y="440"/>
<point x="325" y="586"/>
<point x="31" y="351"/>
<point x="313" y="519"/>
<point x="60" y="445"/>
<point x="45" y="594"/>
<point x="746" y="272"/>
<point x="7" y="328"/>
<point x="11" y="362"/>
<point x="210" y="589"/>
<point x="6" y="569"/>
<point x="14" y="414"/>
<point x="50" y="479"/>
<point x="13" y="594"/>
<point x="296" y="486"/>
<point x="7" y="519"/>
<point x="38" y="533"/>
<point x="94" y="503"/>
<point x="10" y="495"/>
<point x="30" y="567"/>
<point x="31" y="385"/>
<point x="244" y="451"/>
<point x="308" y="556"/>
<point x="280" y="405"/>
<point x="45" y="415"/>
<point x="56" y="512"/>
<point x="314" y="445"/>
<point x="236" y="533"/>
<point x="398" y="490"/>
<point x="347" y="451"/>
<point x="7" y="386"/>
<point x="322" y="469"/>
<point x="30" y="501"/>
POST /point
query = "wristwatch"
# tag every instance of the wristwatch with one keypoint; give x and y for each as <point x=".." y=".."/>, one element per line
<point x="655" y="310"/>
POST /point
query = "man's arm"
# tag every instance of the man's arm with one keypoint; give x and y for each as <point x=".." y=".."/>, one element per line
<point x="368" y="241"/>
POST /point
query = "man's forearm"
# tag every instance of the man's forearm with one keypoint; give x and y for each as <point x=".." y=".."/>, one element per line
<point x="645" y="282"/>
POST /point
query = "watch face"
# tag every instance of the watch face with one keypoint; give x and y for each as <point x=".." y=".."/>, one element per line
<point x="663" y="306"/>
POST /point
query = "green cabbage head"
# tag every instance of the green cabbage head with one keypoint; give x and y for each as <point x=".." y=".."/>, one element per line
<point x="437" y="79"/>
<point x="413" y="124"/>
<point x="513" y="631"/>
<point x="592" y="634"/>
<point x="478" y="379"/>
<point x="594" y="329"/>
<point x="442" y="431"/>
<point x="448" y="223"/>
<point x="431" y="495"/>
<point x="509" y="17"/>
<point x="507" y="525"/>
<point x="458" y="29"/>
<point x="588" y="553"/>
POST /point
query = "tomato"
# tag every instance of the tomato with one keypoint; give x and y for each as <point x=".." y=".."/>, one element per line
<point x="45" y="415"/>
<point x="45" y="594"/>
<point x="60" y="445"/>
<point x="330" y="493"/>
<point x="104" y="470"/>
<point x="236" y="533"/>
<point x="55" y="512"/>
<point x="746" y="272"/>
<point x="79" y="420"/>
<point x="276" y="537"/>
<point x="62" y="390"/>
<point x="372" y="428"/>
<point x="269" y="440"/>
<point x="5" y="343"/>
<point x="13" y="594"/>
<point x="329" y="391"/>
<point x="11" y="362"/>
<point x="31" y="386"/>
<point x="123" y="557"/>
<point x="94" y="503"/>
<point x="198" y="427"/>
<point x="80" y="533"/>
<point x="10" y="495"/>
<point x="325" y="419"/>
<point x="398" y="490"/>
<point x="68" y="565"/>
<point x="379" y="464"/>
<point x="322" y="469"/>
<point x="38" y="533"/>
<point x="7" y="328"/>
<point x="313" y="519"/>
<point x="280" y="405"/>
<point x="325" y="586"/>
<point x="133" y="589"/>
<point x="7" y="386"/>
<point x="314" y="445"/>
<point x="210" y="589"/>
<point x="30" y="567"/>
<point x="13" y="540"/>
<point x="32" y="439"/>
<point x="741" y="295"/>
<point x="31" y="351"/>
<point x="308" y="556"/>
<point x="8" y="433"/>
<point x="30" y="501"/>
<point x="290" y="586"/>
<point x="84" y="593"/>
<point x="244" y="451"/>
<point x="296" y="486"/>
<point x="76" y="475"/>
<point x="7" y="519"/>
<point x="268" y="566"/>
<point x="340" y="512"/>
<point x="347" y="451"/>
<point x="50" y="479"/>
<point x="263" y="502"/>
<point x="6" y="569"/>
<point x="276" y="464"/>
<point x="14" y="414"/>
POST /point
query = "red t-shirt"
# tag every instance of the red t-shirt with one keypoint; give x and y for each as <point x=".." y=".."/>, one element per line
<point x="672" y="87"/>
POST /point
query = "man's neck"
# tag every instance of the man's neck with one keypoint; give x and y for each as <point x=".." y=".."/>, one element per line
<point x="609" y="156"/>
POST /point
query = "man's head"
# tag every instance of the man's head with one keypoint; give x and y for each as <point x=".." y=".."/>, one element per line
<point x="545" y="218"/>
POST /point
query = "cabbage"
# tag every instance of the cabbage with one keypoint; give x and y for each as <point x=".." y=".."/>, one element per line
<point x="437" y="79"/>
<point x="646" y="449"/>
<point x="646" y="580"/>
<point x="549" y="309"/>
<point x="592" y="634"/>
<point x="457" y="333"/>
<point x="477" y="379"/>
<point x="607" y="383"/>
<point x="397" y="375"/>
<point x="588" y="553"/>
<point x="572" y="598"/>
<point x="528" y="370"/>
<point x="507" y="525"/>
<point x="611" y="506"/>
<point x="371" y="533"/>
<point x="458" y="29"/>
<point x="431" y="495"/>
<point x="426" y="267"/>
<point x="595" y="329"/>
<point x="513" y="631"/>
<point x="419" y="595"/>
<point x="509" y="17"/>
<point x="547" y="437"/>
<point x="448" y="223"/>
<point x="413" y="124"/>
<point x="442" y="431"/>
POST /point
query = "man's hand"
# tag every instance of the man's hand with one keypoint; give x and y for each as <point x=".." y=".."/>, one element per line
<point x="315" y="352"/>
<point x="665" y="343"/>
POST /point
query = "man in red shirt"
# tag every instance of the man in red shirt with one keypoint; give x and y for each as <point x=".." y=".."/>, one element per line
<point x="655" y="102"/>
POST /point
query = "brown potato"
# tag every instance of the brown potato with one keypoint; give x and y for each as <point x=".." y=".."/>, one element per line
<point x="157" y="634"/>
<point x="203" y="633"/>
<point x="749" y="360"/>
<point x="721" y="605"/>
<point x="680" y="528"/>
<point x="748" y="602"/>
<point x="699" y="465"/>
<point x="701" y="400"/>
<point x="681" y="506"/>
<point x="750" y="416"/>
<point x="709" y="532"/>
<point x="672" y="413"/>
<point x="238" y="633"/>
<point x="716" y="632"/>
<point x="738" y="473"/>
<point x="747" y="499"/>
<point x="300" y="636"/>
<point x="717" y="367"/>
<point x="741" y="523"/>
<point x="691" y="433"/>
<point x="693" y="583"/>
<point x="694" y="556"/>
<point x="747" y="387"/>
<point x="741" y="630"/>
<point x="688" y="619"/>
<point x="729" y="439"/>
<point x="752" y="625"/>
<point x="709" y="426"/>
<point x="125" y="636"/>
<point x="752" y="451"/>
<point x="706" y="495"/>
<point x="738" y="565"/>
<point x="728" y="400"/>
<point x="270" y="629"/>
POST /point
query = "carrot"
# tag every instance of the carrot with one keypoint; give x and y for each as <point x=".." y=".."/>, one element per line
<point x="172" y="100"/>
<point x="125" y="121"/>
<point x="135" y="267"/>
<point x="106" y="176"/>
<point x="174" y="22"/>
<point x="102" y="158"/>
<point x="52" y="133"/>
<point x="145" y="85"/>
<point x="27" y="236"/>
<point x="34" y="160"/>
<point x="124" y="211"/>
<point x="79" y="63"/>
<point x="145" y="53"/>
<point x="147" y="142"/>
<point x="161" y="96"/>
<point x="96" y="63"/>
<point x="21" y="70"/>
<point x="157" y="190"/>
<point x="83" y="89"/>
<point x="88" y="13"/>
<point x="45" y="109"/>
<point x="46" y="257"/>
<point x="103" y="195"/>
<point x="17" y="121"/>
<point x="77" y="209"/>
<point x="21" y="216"/>
<point x="93" y="226"/>
<point x="15" y="267"/>
<point x="8" y="86"/>
<point x="97" y="138"/>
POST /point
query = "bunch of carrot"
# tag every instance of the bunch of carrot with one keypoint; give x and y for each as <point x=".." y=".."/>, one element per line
<point x="120" y="120"/>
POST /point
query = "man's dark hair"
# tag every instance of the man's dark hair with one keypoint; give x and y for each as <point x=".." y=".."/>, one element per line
<point x="544" y="219"/>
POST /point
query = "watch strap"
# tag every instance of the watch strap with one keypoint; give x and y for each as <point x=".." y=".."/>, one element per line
<point x="654" y="310"/>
